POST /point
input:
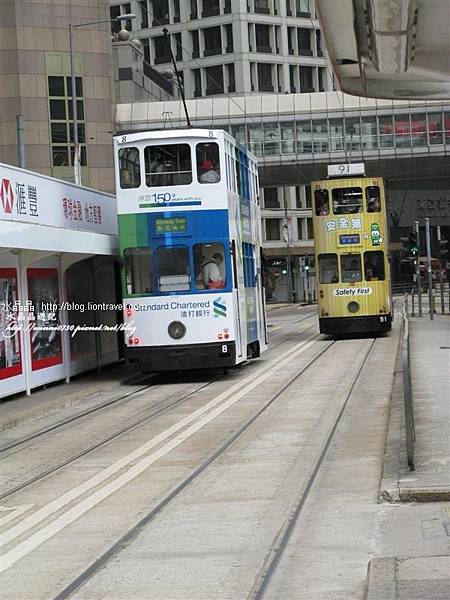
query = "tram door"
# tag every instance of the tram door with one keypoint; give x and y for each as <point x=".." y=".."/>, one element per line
<point x="240" y="307"/>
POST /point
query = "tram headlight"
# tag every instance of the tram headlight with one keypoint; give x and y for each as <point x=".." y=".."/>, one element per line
<point x="353" y="307"/>
<point x="176" y="330"/>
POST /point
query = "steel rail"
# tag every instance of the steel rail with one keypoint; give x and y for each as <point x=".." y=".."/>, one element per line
<point x="166" y="500"/>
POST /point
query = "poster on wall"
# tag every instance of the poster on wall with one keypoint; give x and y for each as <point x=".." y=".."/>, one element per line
<point x="46" y="349"/>
<point x="10" y="356"/>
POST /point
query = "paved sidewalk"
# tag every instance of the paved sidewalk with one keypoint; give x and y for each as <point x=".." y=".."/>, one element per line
<point x="416" y="561"/>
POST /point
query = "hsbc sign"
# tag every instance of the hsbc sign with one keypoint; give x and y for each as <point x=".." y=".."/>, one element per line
<point x="7" y="196"/>
<point x="28" y="197"/>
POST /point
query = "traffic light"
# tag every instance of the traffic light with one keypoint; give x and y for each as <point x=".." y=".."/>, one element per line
<point x="443" y="251"/>
<point x="307" y="265"/>
<point x="410" y="245"/>
<point x="413" y="246"/>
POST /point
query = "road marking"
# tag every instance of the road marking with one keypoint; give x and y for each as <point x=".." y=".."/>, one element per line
<point x="9" y="513"/>
<point x="48" y="531"/>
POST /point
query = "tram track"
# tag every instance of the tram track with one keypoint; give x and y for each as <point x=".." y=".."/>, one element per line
<point x="132" y="532"/>
<point x="281" y="540"/>
<point x="159" y="409"/>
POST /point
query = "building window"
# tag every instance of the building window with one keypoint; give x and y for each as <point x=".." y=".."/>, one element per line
<point x="304" y="41"/>
<point x="179" y="48"/>
<point x="116" y="11"/>
<point x="303" y="8"/>
<point x="306" y="79"/>
<point x="176" y="11"/>
<point x="144" y="14"/>
<point x="309" y="229"/>
<point x="195" y="44"/>
<point x="197" y="83"/>
<point x="213" y="41"/>
<point x="262" y="37"/>
<point x="262" y="7"/>
<point x="194" y="11"/>
<point x="319" y="43"/>
<point x="265" y="83"/>
<point x="273" y="230"/>
<point x="229" y="36"/>
<point x="211" y="8"/>
<point x="162" y="54"/>
<point x="231" y="78"/>
<point x="61" y="120"/>
<point x="160" y="12"/>
<point x="214" y="80"/>
<point x="271" y="198"/>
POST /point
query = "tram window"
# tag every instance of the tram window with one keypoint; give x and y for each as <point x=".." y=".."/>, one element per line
<point x="248" y="256"/>
<point x="322" y="202"/>
<point x="173" y="266"/>
<point x="209" y="266"/>
<point x="351" y="267"/>
<point x="374" y="266"/>
<point x="208" y="163"/>
<point x="129" y="168"/>
<point x="373" y="198"/>
<point x="328" y="268"/>
<point x="347" y="200"/>
<point x="138" y="270"/>
<point x="167" y="165"/>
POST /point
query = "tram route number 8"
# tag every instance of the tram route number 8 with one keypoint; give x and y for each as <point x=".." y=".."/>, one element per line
<point x="224" y="349"/>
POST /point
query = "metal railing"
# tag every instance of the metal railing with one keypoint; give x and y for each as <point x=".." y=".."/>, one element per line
<point x="407" y="387"/>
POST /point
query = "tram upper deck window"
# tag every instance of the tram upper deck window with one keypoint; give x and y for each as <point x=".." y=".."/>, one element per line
<point x="322" y="202"/>
<point x="208" y="163"/>
<point x="129" y="168"/>
<point x="209" y="266"/>
<point x="138" y="270"/>
<point x="347" y="200"/>
<point x="174" y="271"/>
<point x="351" y="267"/>
<point x="167" y="165"/>
<point x="373" y="199"/>
<point x="328" y="268"/>
<point x="374" y="266"/>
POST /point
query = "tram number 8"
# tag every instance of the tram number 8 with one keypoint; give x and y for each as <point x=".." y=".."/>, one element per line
<point x="383" y="319"/>
<point x="224" y="349"/>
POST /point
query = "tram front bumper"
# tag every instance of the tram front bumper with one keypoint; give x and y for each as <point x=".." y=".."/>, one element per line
<point x="344" y="325"/>
<point x="179" y="358"/>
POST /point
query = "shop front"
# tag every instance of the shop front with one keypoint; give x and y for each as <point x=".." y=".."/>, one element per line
<point x="59" y="304"/>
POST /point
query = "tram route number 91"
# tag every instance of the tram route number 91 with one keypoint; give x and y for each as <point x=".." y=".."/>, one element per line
<point x="383" y="319"/>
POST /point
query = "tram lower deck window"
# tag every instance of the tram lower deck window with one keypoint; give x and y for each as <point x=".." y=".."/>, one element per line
<point x="328" y="268"/>
<point x="351" y="267"/>
<point x="138" y="270"/>
<point x="209" y="266"/>
<point x="167" y="165"/>
<point x="174" y="270"/>
<point x="374" y="266"/>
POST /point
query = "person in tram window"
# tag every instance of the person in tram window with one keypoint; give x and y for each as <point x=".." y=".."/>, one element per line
<point x="208" y="172"/>
<point x="374" y="205"/>
<point x="212" y="278"/>
<point x="353" y="273"/>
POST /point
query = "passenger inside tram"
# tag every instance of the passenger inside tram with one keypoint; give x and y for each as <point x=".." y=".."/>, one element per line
<point x="374" y="266"/>
<point x="351" y="268"/>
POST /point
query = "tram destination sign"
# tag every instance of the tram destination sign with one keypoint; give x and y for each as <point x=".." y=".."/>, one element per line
<point x="349" y="239"/>
<point x="171" y="225"/>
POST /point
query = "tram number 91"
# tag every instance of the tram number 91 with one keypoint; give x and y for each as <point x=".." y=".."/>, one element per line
<point x="383" y="319"/>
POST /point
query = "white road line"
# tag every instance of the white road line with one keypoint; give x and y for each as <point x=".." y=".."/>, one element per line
<point x="82" y="507"/>
<point x="72" y="514"/>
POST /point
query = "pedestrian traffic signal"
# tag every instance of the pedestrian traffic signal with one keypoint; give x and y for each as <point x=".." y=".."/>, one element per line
<point x="413" y="246"/>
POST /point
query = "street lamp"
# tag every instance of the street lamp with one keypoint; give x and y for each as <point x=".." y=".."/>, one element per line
<point x="76" y="166"/>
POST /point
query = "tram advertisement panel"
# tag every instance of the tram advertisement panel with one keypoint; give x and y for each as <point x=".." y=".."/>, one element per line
<point x="10" y="359"/>
<point x="45" y="339"/>
<point x="205" y="318"/>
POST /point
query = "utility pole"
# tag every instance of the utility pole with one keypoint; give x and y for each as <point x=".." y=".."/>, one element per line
<point x="430" y="276"/>
<point x="417" y="265"/>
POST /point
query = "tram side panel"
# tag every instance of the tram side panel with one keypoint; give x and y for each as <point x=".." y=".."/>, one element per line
<point x="353" y="275"/>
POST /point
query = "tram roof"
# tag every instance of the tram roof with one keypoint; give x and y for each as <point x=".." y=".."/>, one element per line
<point x="164" y="134"/>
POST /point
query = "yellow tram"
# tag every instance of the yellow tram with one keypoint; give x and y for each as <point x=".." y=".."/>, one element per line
<point x="351" y="250"/>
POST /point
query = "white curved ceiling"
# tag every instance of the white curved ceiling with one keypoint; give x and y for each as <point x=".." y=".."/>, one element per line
<point x="389" y="48"/>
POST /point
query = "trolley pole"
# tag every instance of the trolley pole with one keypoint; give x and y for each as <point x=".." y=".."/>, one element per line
<point x="441" y="276"/>
<point x="430" y="276"/>
<point x="417" y="264"/>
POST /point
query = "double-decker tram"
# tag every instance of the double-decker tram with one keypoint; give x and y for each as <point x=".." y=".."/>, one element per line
<point x="190" y="242"/>
<point x="351" y="252"/>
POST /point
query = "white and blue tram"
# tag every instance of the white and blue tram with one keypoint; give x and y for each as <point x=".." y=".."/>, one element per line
<point x="190" y="242"/>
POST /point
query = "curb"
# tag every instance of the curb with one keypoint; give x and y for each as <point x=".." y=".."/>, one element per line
<point x="381" y="579"/>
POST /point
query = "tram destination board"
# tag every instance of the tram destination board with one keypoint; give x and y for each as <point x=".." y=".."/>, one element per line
<point x="349" y="239"/>
<point x="171" y="225"/>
